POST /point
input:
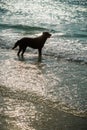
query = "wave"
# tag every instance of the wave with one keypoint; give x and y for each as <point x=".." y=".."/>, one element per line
<point x="3" y="8"/>
<point x="75" y="2"/>
<point x="76" y="59"/>
<point x="74" y="35"/>
<point x="36" y="28"/>
<point x="22" y="27"/>
<point x="78" y="2"/>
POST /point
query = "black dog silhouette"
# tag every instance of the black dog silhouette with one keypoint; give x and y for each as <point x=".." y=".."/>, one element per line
<point x="35" y="43"/>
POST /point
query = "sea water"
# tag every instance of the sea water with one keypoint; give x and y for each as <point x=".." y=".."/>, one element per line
<point x="60" y="80"/>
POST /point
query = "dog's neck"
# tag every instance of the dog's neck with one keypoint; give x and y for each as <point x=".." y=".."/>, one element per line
<point x="44" y="38"/>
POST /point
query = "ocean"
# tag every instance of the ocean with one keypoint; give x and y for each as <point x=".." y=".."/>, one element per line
<point x="51" y="95"/>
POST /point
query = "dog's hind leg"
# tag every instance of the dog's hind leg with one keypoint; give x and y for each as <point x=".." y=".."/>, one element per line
<point x="23" y="50"/>
<point x="19" y="51"/>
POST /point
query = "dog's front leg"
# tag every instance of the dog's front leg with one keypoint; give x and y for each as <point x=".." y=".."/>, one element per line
<point x="40" y="54"/>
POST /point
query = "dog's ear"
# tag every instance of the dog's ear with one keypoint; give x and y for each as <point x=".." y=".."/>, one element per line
<point x="45" y="33"/>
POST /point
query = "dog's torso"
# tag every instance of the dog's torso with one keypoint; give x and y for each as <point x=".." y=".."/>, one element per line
<point x="34" y="43"/>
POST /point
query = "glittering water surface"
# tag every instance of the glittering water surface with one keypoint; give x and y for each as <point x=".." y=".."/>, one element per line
<point x="41" y="96"/>
<point x="40" y="93"/>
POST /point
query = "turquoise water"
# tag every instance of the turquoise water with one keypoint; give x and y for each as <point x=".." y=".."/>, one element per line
<point x="60" y="80"/>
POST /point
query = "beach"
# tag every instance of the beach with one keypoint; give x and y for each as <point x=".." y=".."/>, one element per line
<point x="51" y="94"/>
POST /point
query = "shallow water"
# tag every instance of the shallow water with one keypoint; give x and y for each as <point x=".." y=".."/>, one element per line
<point x="60" y="82"/>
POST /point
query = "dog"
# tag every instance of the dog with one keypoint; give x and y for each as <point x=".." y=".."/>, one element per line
<point x="35" y="43"/>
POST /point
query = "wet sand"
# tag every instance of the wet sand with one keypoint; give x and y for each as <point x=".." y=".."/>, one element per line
<point x="27" y="111"/>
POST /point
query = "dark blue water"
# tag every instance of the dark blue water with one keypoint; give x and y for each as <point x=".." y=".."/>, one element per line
<point x="62" y="75"/>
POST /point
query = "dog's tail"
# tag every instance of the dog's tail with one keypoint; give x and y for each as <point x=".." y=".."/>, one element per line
<point x="15" y="45"/>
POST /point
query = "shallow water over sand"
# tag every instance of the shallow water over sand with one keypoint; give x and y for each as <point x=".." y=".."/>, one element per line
<point x="41" y="96"/>
<point x="23" y="110"/>
<point x="54" y="78"/>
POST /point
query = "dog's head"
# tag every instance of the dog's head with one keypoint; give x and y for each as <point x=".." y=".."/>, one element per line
<point x="47" y="34"/>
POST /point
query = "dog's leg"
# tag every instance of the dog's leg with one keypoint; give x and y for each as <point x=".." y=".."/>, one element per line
<point x="40" y="54"/>
<point x="19" y="51"/>
<point x="23" y="50"/>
